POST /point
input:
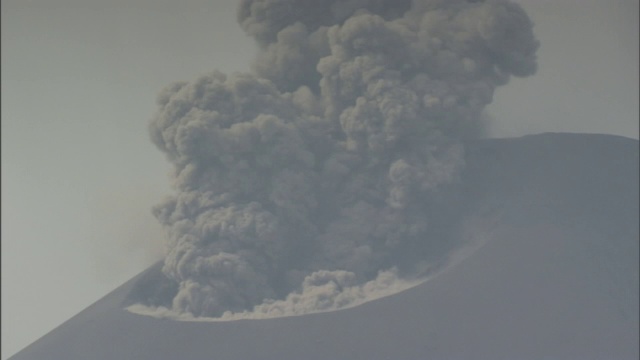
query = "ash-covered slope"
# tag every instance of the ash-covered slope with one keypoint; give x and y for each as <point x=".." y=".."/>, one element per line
<point x="556" y="276"/>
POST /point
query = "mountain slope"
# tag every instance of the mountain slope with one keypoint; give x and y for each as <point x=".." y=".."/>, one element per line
<point x="554" y="218"/>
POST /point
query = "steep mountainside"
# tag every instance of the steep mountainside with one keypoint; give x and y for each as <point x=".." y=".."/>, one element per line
<point x="550" y="270"/>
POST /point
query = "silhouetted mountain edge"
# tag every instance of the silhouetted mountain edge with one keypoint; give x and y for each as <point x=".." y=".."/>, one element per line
<point x="557" y="277"/>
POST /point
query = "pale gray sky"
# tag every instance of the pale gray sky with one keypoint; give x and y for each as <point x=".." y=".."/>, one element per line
<point x="79" y="174"/>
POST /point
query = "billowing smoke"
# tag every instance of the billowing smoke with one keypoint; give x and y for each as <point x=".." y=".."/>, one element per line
<point x="320" y="174"/>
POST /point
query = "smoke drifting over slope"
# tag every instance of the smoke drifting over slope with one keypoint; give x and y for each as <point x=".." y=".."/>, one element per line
<point x="323" y="167"/>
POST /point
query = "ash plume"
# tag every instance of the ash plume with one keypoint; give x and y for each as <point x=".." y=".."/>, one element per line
<point x="315" y="177"/>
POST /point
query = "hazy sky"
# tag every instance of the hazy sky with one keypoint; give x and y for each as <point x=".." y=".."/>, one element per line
<point x="79" y="174"/>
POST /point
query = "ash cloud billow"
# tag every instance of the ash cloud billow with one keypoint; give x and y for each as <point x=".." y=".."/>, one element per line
<point x="317" y="178"/>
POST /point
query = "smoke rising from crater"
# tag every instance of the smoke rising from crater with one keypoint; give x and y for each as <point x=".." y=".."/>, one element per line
<point x="321" y="170"/>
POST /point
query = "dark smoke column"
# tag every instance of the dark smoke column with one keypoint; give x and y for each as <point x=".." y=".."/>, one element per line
<point x="313" y="172"/>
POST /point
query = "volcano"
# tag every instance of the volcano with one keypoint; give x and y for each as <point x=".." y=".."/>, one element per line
<point x="547" y="267"/>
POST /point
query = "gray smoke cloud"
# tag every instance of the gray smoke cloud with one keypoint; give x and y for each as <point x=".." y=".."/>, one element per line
<point x="302" y="183"/>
